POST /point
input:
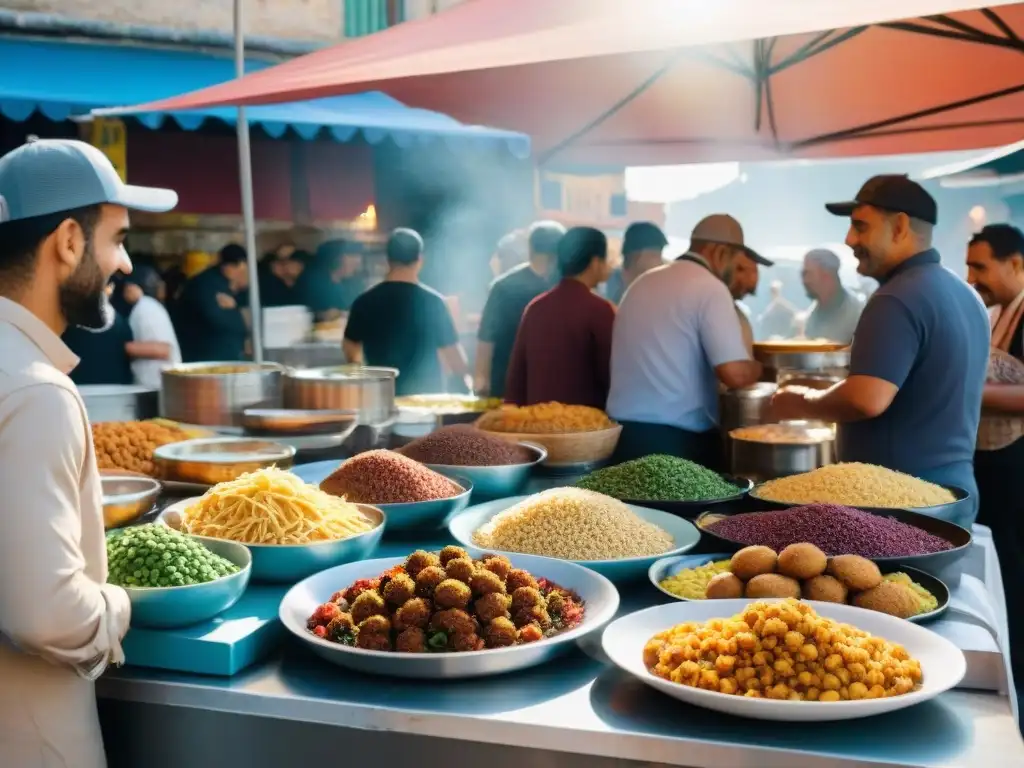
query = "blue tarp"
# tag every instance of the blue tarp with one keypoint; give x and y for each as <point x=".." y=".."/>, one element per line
<point x="63" y="80"/>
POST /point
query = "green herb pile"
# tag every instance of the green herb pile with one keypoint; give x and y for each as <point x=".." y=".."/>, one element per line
<point x="659" y="478"/>
<point x="157" y="556"/>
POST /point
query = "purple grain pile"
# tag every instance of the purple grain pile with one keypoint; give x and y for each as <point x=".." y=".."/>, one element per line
<point x="386" y="477"/>
<point x="834" y="529"/>
<point x="461" y="445"/>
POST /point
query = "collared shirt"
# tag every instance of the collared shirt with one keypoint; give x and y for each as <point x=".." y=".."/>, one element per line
<point x="836" y="320"/>
<point x="926" y="331"/>
<point x="675" y="325"/>
<point x="563" y="349"/>
<point x="60" y="622"/>
<point x="507" y="300"/>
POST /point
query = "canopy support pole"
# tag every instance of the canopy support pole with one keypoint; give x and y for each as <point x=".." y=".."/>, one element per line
<point x="248" y="209"/>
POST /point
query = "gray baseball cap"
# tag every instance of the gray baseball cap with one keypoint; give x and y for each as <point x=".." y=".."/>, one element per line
<point x="48" y="176"/>
<point x="724" y="229"/>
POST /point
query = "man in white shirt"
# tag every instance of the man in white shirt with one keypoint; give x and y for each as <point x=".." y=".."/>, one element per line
<point x="155" y="344"/>
<point x="676" y="338"/>
<point x="63" y="220"/>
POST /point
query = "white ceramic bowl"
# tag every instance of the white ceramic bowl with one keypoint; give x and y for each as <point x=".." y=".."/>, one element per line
<point x="942" y="663"/>
<point x="685" y="537"/>
<point x="600" y="597"/>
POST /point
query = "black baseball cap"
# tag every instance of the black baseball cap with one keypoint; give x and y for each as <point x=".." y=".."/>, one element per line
<point x="643" y="236"/>
<point x="895" y="193"/>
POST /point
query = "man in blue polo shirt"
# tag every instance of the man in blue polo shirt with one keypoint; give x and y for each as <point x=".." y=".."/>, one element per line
<point x="912" y="401"/>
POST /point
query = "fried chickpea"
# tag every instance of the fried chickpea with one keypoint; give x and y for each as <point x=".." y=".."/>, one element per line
<point x="858" y="691"/>
<point x="451" y="552"/>
<point x="829" y="696"/>
<point x="460" y="569"/>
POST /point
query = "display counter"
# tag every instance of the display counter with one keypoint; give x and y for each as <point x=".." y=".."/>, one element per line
<point x="297" y="709"/>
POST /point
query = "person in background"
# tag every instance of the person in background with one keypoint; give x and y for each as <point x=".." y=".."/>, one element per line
<point x="337" y="281"/>
<point x="835" y="311"/>
<point x="402" y="324"/>
<point x="63" y="222"/>
<point x="643" y="244"/>
<point x="278" y="273"/>
<point x="779" y="317"/>
<point x="508" y="298"/>
<point x="140" y="297"/>
<point x="563" y="348"/>
<point x="510" y="252"/>
<point x="995" y="267"/>
<point x="677" y="338"/>
<point x="209" y="319"/>
<point x="743" y="284"/>
<point x="102" y="352"/>
<point x="912" y="400"/>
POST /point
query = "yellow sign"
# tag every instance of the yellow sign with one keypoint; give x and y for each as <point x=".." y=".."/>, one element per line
<point x="109" y="136"/>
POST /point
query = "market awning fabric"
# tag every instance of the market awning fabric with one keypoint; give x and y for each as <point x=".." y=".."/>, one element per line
<point x="64" y="80"/>
<point x="633" y="82"/>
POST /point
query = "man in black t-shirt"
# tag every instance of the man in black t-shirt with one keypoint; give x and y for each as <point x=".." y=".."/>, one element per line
<point x="103" y="355"/>
<point x="405" y="325"/>
<point x="510" y="294"/>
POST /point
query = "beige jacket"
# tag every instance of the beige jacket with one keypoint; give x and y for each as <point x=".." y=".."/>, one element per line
<point x="60" y="623"/>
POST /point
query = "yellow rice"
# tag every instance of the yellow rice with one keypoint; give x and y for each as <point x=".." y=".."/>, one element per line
<point x="855" y="485"/>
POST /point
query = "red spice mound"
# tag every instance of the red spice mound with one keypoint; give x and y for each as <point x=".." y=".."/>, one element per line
<point x="461" y="445"/>
<point x="386" y="477"/>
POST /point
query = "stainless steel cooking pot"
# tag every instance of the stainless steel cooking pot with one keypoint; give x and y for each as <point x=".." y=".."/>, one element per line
<point x="119" y="402"/>
<point x="215" y="394"/>
<point x="779" y="450"/>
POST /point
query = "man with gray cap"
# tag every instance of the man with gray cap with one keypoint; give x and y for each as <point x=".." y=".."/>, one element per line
<point x="912" y="400"/>
<point x="835" y="312"/>
<point x="676" y="339"/>
<point x="63" y="221"/>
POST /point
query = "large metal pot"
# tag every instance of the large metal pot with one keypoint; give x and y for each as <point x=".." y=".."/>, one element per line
<point x="801" y="356"/>
<point x="368" y="391"/>
<point x="119" y="402"/>
<point x="790" y="448"/>
<point x="746" y="406"/>
<point x="216" y="394"/>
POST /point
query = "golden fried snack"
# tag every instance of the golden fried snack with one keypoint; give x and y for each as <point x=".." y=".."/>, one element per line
<point x="129" y="445"/>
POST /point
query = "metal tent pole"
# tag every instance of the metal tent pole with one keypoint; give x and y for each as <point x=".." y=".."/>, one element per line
<point x="248" y="213"/>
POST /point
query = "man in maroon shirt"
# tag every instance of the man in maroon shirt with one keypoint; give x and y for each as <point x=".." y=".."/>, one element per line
<point x="563" y="347"/>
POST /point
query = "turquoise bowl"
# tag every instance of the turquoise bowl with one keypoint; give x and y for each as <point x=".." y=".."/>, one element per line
<point x="684" y="535"/>
<point x="289" y="563"/>
<point x="427" y="515"/>
<point x="169" y="607"/>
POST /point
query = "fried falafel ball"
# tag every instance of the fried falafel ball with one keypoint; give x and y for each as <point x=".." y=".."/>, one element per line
<point x="499" y="565"/>
<point x="399" y="589"/>
<point x="368" y="604"/>
<point x="556" y="602"/>
<point x="517" y="578"/>
<point x="428" y="579"/>
<point x="451" y="552"/>
<point x="453" y="621"/>
<point x="413" y="613"/>
<point x="486" y="582"/>
<point x="452" y="594"/>
<point x="531" y="633"/>
<point x="532" y="615"/>
<point x="419" y="560"/>
<point x="411" y="640"/>
<point x="460" y="569"/>
<point x="374" y="641"/>
<point x="464" y="643"/>
<point x="526" y="597"/>
<point x="375" y="625"/>
<point x="492" y="606"/>
<point x="500" y="632"/>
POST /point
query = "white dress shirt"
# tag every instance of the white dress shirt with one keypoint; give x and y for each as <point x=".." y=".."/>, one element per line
<point x="60" y="622"/>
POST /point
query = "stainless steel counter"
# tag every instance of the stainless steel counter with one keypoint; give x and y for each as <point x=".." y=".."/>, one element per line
<point x="574" y="713"/>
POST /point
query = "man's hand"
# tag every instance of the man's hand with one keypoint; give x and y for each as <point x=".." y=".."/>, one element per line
<point x="224" y="301"/>
<point x="790" y="403"/>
